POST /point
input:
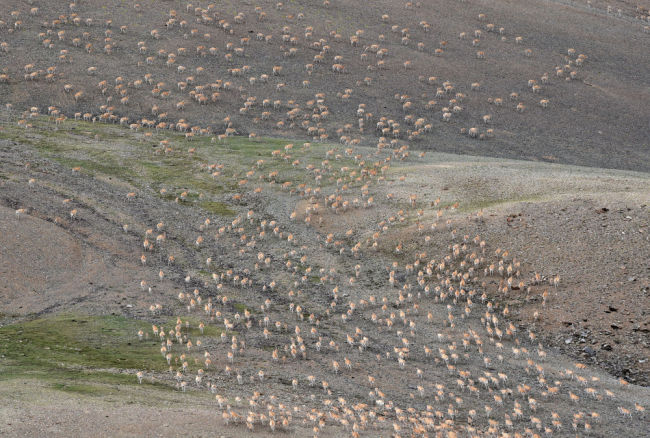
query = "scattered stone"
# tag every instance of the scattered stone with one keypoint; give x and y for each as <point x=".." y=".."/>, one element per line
<point x="606" y="347"/>
<point x="568" y="340"/>
<point x="590" y="351"/>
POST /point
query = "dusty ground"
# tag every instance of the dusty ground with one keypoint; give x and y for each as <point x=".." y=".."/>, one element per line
<point x="48" y="268"/>
<point x="33" y="409"/>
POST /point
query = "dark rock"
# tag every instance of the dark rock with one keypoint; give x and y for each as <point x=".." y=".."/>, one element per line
<point x="590" y="351"/>
<point x="606" y="347"/>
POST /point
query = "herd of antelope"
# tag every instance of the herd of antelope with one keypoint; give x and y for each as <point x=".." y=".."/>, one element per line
<point x="313" y="329"/>
<point x="200" y="57"/>
<point x="297" y="321"/>
<point x="307" y="319"/>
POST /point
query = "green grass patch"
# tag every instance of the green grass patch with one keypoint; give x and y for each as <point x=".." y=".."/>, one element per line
<point x="77" y="341"/>
<point x="259" y="147"/>
<point x="97" y="383"/>
<point x="487" y="203"/>
<point x="218" y="208"/>
<point x="87" y="382"/>
<point x="241" y="308"/>
<point x="179" y="172"/>
<point x="209" y="329"/>
<point x="40" y="143"/>
<point x="118" y="152"/>
<point x="93" y="167"/>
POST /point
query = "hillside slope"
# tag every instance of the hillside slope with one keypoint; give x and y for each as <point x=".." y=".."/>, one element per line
<point x="399" y="65"/>
<point x="335" y="275"/>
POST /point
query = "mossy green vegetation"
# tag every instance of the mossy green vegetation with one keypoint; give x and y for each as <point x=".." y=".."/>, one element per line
<point x="209" y="330"/>
<point x="179" y="172"/>
<point x="241" y="308"/>
<point x="105" y="167"/>
<point x="218" y="208"/>
<point x="202" y="169"/>
<point x="75" y="341"/>
<point x="80" y="354"/>
<point x="488" y="203"/>
<point x="85" y="389"/>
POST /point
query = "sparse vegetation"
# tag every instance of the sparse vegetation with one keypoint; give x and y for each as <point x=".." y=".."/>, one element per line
<point x="77" y="341"/>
